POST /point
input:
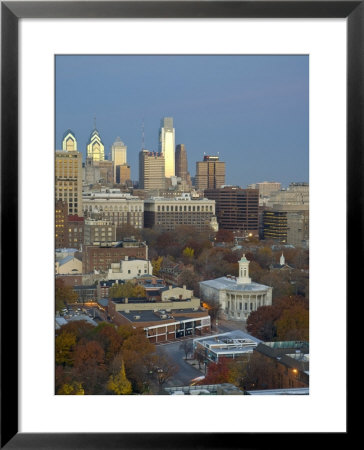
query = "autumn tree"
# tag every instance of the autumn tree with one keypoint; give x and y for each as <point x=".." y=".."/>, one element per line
<point x="224" y="236"/>
<point x="157" y="264"/>
<point x="127" y="289"/>
<point x="259" y="372"/>
<point x="89" y="364"/>
<point x="293" y="324"/>
<point x="65" y="345"/>
<point x="136" y="351"/>
<point x="118" y="384"/>
<point x="217" y="373"/>
<point x="261" y="323"/>
<point x="74" y="388"/>
<point x="191" y="280"/>
<point x="64" y="295"/>
<point x="163" y="369"/>
<point x="127" y="231"/>
<point x="109" y="338"/>
<point x="188" y="253"/>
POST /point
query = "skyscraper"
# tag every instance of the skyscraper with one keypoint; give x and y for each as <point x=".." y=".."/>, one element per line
<point x="167" y="145"/>
<point x="236" y="208"/>
<point x="68" y="171"/>
<point x="95" y="147"/>
<point x="181" y="163"/>
<point x="118" y="156"/>
<point x="151" y="170"/>
<point x="210" y="173"/>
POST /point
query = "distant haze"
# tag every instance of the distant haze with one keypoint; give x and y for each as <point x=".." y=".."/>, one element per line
<point x="251" y="110"/>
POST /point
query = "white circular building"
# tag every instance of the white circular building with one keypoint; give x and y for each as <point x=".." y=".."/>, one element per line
<point x="238" y="296"/>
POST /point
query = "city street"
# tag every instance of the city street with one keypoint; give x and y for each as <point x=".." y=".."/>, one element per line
<point x="186" y="372"/>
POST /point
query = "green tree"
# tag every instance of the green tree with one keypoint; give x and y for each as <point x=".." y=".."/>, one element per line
<point x="119" y="384"/>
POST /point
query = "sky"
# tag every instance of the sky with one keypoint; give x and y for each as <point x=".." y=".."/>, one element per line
<point x="251" y="111"/>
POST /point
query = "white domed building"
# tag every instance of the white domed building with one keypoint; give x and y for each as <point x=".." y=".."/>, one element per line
<point x="238" y="296"/>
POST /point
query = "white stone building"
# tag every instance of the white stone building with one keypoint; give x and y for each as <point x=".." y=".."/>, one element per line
<point x="114" y="206"/>
<point x="129" y="268"/>
<point x="238" y="296"/>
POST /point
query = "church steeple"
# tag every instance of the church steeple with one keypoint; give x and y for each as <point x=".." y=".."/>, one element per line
<point x="282" y="260"/>
<point x="243" y="277"/>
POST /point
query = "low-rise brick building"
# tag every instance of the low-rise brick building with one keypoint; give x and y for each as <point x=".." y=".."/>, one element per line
<point x="100" y="257"/>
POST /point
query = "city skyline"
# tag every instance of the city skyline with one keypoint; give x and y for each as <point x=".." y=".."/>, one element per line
<point x="251" y="110"/>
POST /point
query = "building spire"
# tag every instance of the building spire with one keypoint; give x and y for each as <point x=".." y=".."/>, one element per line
<point x="95" y="122"/>
<point x="282" y="260"/>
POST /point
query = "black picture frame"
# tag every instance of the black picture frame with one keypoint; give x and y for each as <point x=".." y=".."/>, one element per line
<point x="11" y="12"/>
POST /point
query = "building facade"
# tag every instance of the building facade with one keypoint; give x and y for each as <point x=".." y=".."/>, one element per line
<point x="238" y="296"/>
<point x="182" y="165"/>
<point x="236" y="208"/>
<point x="99" y="231"/>
<point x="75" y="231"/>
<point x="114" y="207"/>
<point x="118" y="157"/>
<point x="210" y="173"/>
<point x="60" y="218"/>
<point x="129" y="268"/>
<point x="266" y="188"/>
<point x="286" y="216"/>
<point x="151" y="170"/>
<point x="95" y="147"/>
<point x="98" y="258"/>
<point x="68" y="175"/>
<point x="167" y="145"/>
<point x="167" y="213"/>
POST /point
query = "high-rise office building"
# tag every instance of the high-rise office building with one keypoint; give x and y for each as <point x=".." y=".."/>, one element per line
<point x="69" y="142"/>
<point x="210" y="173"/>
<point x="266" y="188"/>
<point x="236" y="208"/>
<point x="286" y="216"/>
<point x="182" y="165"/>
<point x="68" y="175"/>
<point x="167" y="145"/>
<point x="151" y="170"/>
<point x="95" y="147"/>
<point x="118" y="157"/>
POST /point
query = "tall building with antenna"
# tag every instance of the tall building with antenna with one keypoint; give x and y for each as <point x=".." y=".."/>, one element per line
<point x="167" y="145"/>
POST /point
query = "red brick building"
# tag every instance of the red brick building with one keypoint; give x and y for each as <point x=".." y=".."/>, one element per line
<point x="74" y="231"/>
<point x="100" y="257"/>
<point x="61" y="211"/>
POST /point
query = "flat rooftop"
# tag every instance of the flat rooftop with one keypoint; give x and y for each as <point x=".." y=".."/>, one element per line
<point x="151" y="316"/>
<point x="232" y="341"/>
<point x="231" y="284"/>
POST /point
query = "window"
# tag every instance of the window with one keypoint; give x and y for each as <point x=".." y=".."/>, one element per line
<point x="245" y="306"/>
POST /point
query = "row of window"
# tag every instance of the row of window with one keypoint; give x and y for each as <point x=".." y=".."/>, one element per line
<point x="184" y="208"/>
